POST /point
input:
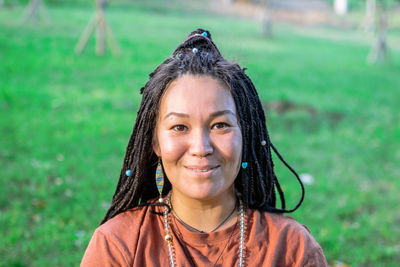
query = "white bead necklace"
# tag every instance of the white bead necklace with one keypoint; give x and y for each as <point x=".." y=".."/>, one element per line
<point x="168" y="236"/>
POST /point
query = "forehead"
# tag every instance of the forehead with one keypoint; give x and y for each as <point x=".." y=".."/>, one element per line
<point x="197" y="94"/>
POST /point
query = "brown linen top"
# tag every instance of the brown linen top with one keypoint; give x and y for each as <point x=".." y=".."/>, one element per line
<point x="136" y="238"/>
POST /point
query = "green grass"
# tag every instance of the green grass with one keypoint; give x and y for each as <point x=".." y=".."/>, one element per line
<point x="65" y="120"/>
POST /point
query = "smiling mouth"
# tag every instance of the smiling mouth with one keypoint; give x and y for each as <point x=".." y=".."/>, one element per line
<point x="201" y="169"/>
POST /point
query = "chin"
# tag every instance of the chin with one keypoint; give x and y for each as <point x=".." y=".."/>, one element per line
<point x="201" y="194"/>
<point x="204" y="192"/>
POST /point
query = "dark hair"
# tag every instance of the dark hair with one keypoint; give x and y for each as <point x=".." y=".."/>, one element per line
<point x="198" y="55"/>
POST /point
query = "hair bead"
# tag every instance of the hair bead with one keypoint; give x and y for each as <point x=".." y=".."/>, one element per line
<point x="263" y="142"/>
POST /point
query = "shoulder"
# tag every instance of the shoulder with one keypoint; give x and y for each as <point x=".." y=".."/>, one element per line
<point x="282" y="224"/>
<point x="287" y="237"/>
<point x="115" y="241"/>
<point x="127" y="221"/>
<point x="277" y="223"/>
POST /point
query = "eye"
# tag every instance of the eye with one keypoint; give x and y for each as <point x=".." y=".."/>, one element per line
<point x="220" y="126"/>
<point x="179" y="128"/>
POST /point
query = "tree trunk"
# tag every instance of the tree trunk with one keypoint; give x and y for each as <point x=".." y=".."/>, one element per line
<point x="370" y="13"/>
<point x="267" y="19"/>
<point x="379" y="51"/>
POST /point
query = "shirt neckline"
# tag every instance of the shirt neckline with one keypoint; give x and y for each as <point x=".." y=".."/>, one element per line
<point x="203" y="239"/>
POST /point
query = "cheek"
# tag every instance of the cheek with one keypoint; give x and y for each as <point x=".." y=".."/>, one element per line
<point x="171" y="149"/>
<point x="230" y="148"/>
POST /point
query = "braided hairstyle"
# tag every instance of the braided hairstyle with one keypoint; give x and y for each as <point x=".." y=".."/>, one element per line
<point x="198" y="55"/>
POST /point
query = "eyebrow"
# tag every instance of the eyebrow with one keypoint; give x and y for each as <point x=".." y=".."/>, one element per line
<point x="213" y="115"/>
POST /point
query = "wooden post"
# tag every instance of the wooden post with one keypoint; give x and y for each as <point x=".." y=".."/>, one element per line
<point x="103" y="32"/>
<point x="33" y="10"/>
<point x="100" y="33"/>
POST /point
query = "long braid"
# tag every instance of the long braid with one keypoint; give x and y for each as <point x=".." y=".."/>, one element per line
<point x="198" y="55"/>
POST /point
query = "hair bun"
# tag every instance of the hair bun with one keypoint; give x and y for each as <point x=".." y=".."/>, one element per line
<point x="199" y="39"/>
<point x="202" y="32"/>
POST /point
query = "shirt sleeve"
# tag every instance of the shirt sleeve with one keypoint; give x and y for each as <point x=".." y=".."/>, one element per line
<point x="104" y="251"/>
<point x="315" y="258"/>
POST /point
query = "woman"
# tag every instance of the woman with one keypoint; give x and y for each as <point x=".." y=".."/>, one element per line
<point x="200" y="138"/>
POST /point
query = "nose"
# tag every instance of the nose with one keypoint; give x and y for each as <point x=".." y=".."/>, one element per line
<point x="200" y="145"/>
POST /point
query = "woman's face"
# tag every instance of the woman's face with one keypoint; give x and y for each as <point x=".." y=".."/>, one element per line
<point x="198" y="137"/>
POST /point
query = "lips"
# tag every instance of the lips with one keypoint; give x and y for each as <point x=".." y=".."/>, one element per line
<point x="201" y="169"/>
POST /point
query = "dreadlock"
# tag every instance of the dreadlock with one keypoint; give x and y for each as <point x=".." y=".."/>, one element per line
<point x="198" y="55"/>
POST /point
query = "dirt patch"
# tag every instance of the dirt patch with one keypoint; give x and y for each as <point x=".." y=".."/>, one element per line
<point x="302" y="115"/>
<point x="298" y="12"/>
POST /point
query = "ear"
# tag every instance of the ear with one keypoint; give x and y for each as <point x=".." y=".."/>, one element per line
<point x="156" y="146"/>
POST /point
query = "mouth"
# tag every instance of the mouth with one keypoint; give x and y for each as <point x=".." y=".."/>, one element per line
<point x="202" y="170"/>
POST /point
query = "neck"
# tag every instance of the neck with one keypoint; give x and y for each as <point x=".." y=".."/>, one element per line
<point x="205" y="215"/>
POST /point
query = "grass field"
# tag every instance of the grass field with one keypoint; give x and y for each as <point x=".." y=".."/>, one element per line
<point x="66" y="119"/>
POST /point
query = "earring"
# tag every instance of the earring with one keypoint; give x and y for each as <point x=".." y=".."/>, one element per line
<point x="244" y="165"/>
<point x="160" y="180"/>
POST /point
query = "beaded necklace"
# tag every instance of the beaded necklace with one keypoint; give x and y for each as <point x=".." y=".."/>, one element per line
<point x="168" y="236"/>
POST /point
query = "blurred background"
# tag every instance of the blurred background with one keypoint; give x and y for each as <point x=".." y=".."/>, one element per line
<point x="328" y="73"/>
